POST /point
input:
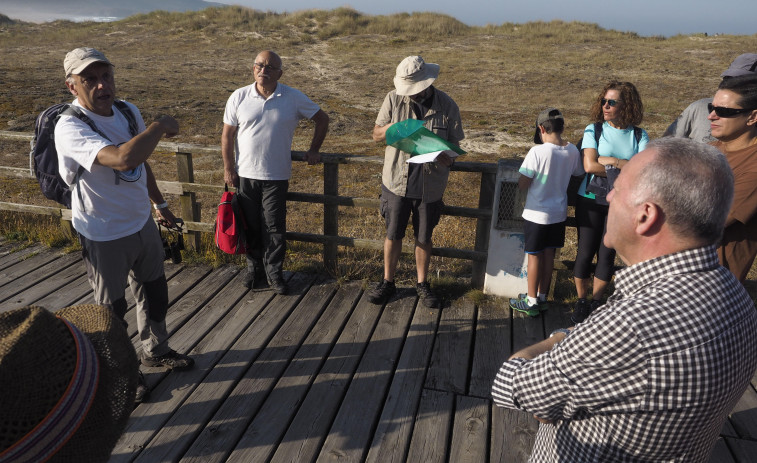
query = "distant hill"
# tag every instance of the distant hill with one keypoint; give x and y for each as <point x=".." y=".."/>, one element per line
<point x="48" y="10"/>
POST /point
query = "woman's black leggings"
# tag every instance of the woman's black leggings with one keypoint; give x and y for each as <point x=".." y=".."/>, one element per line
<point x="591" y="221"/>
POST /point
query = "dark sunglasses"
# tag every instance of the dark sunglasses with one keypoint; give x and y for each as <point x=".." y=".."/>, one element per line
<point x="720" y="111"/>
<point x="612" y="103"/>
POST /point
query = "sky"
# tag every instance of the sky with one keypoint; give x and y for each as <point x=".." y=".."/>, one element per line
<point x="645" y="17"/>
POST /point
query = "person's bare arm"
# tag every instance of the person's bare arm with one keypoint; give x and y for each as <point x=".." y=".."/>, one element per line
<point x="137" y="150"/>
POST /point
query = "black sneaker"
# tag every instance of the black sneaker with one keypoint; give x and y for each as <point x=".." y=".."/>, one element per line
<point x="253" y="278"/>
<point x="171" y="360"/>
<point x="142" y="390"/>
<point x="427" y="296"/>
<point x="581" y="311"/>
<point x="382" y="292"/>
<point x="278" y="285"/>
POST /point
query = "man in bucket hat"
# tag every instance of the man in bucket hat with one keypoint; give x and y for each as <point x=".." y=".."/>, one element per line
<point x="413" y="188"/>
<point x="693" y="122"/>
<point x="67" y="381"/>
<point x="113" y="187"/>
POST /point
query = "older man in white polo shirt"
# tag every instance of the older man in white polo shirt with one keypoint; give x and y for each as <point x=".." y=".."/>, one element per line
<point x="256" y="144"/>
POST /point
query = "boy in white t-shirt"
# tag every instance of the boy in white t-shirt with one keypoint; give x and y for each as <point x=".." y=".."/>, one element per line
<point x="545" y="173"/>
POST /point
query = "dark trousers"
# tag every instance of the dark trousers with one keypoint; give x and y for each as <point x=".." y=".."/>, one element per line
<point x="263" y="204"/>
<point x="591" y="220"/>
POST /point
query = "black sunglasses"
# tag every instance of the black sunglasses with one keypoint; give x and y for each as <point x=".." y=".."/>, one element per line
<point x="612" y="103"/>
<point x="721" y="111"/>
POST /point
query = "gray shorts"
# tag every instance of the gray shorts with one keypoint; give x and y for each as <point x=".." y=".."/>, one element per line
<point x="397" y="210"/>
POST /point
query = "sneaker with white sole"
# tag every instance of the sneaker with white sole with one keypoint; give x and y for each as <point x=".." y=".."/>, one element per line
<point x="521" y="305"/>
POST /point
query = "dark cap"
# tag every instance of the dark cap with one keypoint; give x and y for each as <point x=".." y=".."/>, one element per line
<point x="548" y="114"/>
<point x="743" y="65"/>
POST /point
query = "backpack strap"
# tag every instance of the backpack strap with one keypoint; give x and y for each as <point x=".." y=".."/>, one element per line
<point x="637" y="133"/>
<point x="597" y="133"/>
<point x="129" y="115"/>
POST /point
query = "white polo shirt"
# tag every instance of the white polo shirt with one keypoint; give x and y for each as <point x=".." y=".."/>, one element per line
<point x="265" y="129"/>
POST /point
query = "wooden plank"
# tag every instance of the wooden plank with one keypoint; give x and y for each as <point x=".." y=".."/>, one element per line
<point x="492" y="346"/>
<point x="64" y="275"/>
<point x="215" y="326"/>
<point x="29" y="265"/>
<point x="526" y="330"/>
<point x="310" y="427"/>
<point x="67" y="295"/>
<point x="743" y="450"/>
<point x="352" y="430"/>
<point x="513" y="433"/>
<point x="270" y="424"/>
<point x="13" y="253"/>
<point x="223" y="356"/>
<point x="470" y="431"/>
<point x="237" y="411"/>
<point x="432" y="427"/>
<point x="744" y="415"/>
<point x="721" y="453"/>
<point x="395" y="426"/>
<point x="38" y="283"/>
<point x="450" y="360"/>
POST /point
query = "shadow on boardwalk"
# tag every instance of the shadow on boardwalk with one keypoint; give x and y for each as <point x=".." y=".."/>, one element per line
<point x="321" y="374"/>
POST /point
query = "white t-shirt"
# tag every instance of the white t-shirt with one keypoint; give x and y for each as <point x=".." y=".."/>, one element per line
<point x="111" y="210"/>
<point x="265" y="129"/>
<point x="550" y="166"/>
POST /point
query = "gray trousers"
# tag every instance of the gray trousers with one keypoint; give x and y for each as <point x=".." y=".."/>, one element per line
<point x="137" y="260"/>
<point x="263" y="203"/>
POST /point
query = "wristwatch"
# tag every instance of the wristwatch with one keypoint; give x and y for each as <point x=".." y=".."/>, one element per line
<point x="566" y="331"/>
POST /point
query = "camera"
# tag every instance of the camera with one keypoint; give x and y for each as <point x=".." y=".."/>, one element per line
<point x="173" y="241"/>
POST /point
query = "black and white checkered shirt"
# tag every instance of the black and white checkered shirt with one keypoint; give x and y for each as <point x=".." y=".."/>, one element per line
<point x="651" y="375"/>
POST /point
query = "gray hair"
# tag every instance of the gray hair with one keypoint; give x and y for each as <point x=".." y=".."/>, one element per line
<point x="693" y="184"/>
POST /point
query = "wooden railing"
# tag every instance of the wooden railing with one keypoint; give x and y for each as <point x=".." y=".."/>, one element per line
<point x="186" y="189"/>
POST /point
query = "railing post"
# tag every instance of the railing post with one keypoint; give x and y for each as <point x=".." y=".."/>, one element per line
<point x="190" y="210"/>
<point x="485" y="201"/>
<point x="330" y="214"/>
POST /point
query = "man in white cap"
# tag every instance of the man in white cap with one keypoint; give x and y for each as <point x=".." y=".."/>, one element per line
<point x="106" y="165"/>
<point x="409" y="188"/>
<point x="693" y="122"/>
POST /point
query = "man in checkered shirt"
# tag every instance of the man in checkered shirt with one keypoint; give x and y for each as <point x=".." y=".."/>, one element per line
<point x="652" y="374"/>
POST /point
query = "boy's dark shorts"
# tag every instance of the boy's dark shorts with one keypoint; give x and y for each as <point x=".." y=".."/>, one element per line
<point x="397" y="209"/>
<point x="540" y="237"/>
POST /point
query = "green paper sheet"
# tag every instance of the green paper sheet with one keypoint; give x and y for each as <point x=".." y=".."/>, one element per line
<point x="413" y="138"/>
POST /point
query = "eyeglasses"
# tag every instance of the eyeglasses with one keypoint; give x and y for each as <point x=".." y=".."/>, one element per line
<point x="612" y="103"/>
<point x="267" y="67"/>
<point x="721" y="111"/>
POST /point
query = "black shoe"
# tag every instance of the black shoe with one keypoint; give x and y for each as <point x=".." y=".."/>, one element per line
<point x="278" y="285"/>
<point x="426" y="296"/>
<point x="382" y="292"/>
<point x="171" y="360"/>
<point x="582" y="310"/>
<point x="142" y="390"/>
<point x="253" y="278"/>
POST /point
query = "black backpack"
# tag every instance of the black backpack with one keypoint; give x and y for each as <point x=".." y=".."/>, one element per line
<point x="43" y="157"/>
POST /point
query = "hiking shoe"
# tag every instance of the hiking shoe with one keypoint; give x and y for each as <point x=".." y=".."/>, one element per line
<point x="253" y="278"/>
<point x="425" y="294"/>
<point x="521" y="305"/>
<point x="278" y="285"/>
<point x="382" y="292"/>
<point x="142" y="390"/>
<point x="582" y="310"/>
<point x="171" y="360"/>
<point x="543" y="305"/>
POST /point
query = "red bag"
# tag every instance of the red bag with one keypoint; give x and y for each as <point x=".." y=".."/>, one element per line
<point x="230" y="227"/>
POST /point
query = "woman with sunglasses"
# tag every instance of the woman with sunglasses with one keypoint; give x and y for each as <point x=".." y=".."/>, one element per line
<point x="733" y="122"/>
<point x="616" y="112"/>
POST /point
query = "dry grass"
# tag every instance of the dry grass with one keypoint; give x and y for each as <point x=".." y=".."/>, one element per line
<point x="187" y="64"/>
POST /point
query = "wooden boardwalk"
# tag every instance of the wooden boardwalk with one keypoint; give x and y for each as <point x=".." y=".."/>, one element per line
<point x="321" y="374"/>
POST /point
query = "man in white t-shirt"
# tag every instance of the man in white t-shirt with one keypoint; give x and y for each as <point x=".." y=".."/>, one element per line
<point x="113" y="186"/>
<point x="545" y="174"/>
<point x="256" y="145"/>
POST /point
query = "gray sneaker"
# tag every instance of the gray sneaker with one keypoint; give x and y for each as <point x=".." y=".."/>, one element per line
<point x="171" y="360"/>
<point x="142" y="390"/>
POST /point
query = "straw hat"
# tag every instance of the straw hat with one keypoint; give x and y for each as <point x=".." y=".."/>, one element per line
<point x="414" y="75"/>
<point x="67" y="383"/>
